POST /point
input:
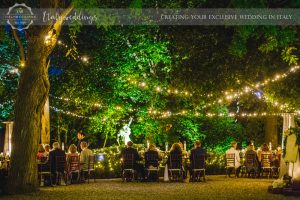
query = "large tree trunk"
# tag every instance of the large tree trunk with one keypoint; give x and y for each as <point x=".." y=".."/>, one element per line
<point x="45" y="135"/>
<point x="271" y="131"/>
<point x="31" y="97"/>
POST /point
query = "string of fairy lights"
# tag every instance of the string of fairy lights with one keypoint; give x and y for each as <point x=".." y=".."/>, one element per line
<point x="165" y="114"/>
<point x="229" y="95"/>
<point x="97" y="105"/>
<point x="159" y="89"/>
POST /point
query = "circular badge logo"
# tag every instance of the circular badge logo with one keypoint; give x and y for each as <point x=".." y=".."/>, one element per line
<point x="20" y="16"/>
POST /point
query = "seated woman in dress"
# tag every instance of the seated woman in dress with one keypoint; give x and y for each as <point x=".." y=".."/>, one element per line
<point x="264" y="150"/>
<point x="175" y="159"/>
<point x="42" y="154"/>
<point x="72" y="151"/>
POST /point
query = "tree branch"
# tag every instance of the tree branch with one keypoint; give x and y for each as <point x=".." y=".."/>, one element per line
<point x="56" y="27"/>
<point x="21" y="48"/>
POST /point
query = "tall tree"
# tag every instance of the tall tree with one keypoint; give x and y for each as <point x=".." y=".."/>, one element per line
<point x="32" y="94"/>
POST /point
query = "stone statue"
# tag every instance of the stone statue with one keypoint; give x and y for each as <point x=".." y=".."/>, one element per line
<point x="124" y="134"/>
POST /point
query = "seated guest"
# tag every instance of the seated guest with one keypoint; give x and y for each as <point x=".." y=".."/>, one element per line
<point x="129" y="150"/>
<point x="175" y="158"/>
<point x="197" y="150"/>
<point x="54" y="155"/>
<point x="72" y="151"/>
<point x="236" y="153"/>
<point x="81" y="138"/>
<point x="41" y="155"/>
<point x="84" y="158"/>
<point x="197" y="158"/>
<point x="84" y="155"/>
<point x="264" y="150"/>
<point x="184" y="152"/>
<point x="152" y="156"/>
<point x="251" y="160"/>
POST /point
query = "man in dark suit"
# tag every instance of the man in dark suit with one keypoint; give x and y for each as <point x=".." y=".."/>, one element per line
<point x="152" y="156"/>
<point x="199" y="153"/>
<point x="81" y="138"/>
<point x="57" y="158"/>
<point x="127" y="152"/>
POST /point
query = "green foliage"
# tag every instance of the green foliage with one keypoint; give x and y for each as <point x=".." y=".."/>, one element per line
<point x="9" y="61"/>
<point x="288" y="57"/>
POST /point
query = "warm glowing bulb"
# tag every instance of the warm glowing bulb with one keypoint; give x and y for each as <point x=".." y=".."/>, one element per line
<point x="47" y="37"/>
<point x="22" y="63"/>
<point x="85" y="59"/>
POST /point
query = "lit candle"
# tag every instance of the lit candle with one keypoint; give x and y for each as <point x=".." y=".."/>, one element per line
<point x="62" y="146"/>
<point x="148" y="144"/>
<point x="184" y="145"/>
<point x="270" y="145"/>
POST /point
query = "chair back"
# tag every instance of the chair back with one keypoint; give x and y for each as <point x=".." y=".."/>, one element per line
<point x="128" y="161"/>
<point x="250" y="159"/>
<point x="151" y="159"/>
<point x="175" y="161"/>
<point x="91" y="162"/>
<point x="198" y="161"/>
<point x="60" y="163"/>
<point x="44" y="167"/>
<point x="266" y="160"/>
<point x="230" y="160"/>
<point x="74" y="163"/>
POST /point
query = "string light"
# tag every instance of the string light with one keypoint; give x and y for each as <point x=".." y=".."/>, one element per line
<point x="98" y="105"/>
<point x="166" y="114"/>
<point x="229" y="95"/>
<point x="22" y="63"/>
<point x="84" y="59"/>
<point x="69" y="113"/>
<point x="161" y="90"/>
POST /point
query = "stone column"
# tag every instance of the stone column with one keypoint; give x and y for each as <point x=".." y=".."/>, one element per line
<point x="7" y="137"/>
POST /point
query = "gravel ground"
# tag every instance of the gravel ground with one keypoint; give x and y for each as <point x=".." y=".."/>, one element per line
<point x="216" y="187"/>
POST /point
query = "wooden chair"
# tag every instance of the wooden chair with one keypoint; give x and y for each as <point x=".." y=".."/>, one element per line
<point x="266" y="164"/>
<point x="128" y="171"/>
<point x="91" y="168"/>
<point x="152" y="166"/>
<point x="44" y="169"/>
<point x="198" y="167"/>
<point x="175" y="168"/>
<point x="230" y="164"/>
<point x="251" y="164"/>
<point x="60" y="169"/>
<point x="73" y="168"/>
